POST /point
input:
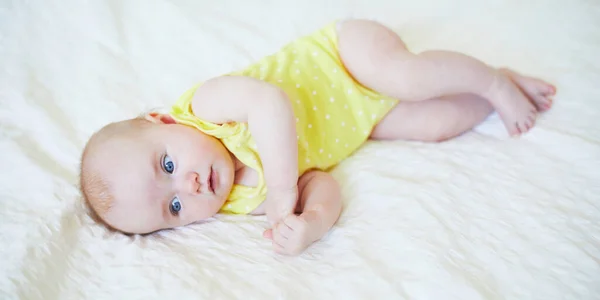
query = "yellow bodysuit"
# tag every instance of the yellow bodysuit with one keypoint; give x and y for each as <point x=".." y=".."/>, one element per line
<point x="334" y="114"/>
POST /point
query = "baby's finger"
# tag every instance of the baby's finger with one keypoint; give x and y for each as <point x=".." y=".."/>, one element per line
<point x="292" y="221"/>
<point x="268" y="234"/>
<point x="284" y="230"/>
<point x="278" y="238"/>
<point x="279" y="249"/>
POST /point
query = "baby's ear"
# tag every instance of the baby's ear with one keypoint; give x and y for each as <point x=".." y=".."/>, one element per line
<point x="160" y="118"/>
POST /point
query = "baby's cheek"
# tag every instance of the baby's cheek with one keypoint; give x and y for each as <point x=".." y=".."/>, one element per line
<point x="204" y="209"/>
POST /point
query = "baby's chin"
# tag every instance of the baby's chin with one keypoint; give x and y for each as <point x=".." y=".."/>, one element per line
<point x="226" y="175"/>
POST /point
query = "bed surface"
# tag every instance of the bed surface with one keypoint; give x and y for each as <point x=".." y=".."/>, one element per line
<point x="482" y="216"/>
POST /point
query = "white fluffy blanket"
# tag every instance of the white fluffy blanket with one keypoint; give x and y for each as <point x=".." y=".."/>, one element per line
<point x="479" y="217"/>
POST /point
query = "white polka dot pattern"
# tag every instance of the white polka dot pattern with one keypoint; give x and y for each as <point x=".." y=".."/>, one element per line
<point x="334" y="115"/>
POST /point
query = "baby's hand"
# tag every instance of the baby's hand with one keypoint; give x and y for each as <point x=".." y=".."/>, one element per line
<point x="280" y="203"/>
<point x="291" y="236"/>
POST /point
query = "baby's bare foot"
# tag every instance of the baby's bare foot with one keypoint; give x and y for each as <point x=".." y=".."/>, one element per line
<point x="515" y="110"/>
<point x="538" y="91"/>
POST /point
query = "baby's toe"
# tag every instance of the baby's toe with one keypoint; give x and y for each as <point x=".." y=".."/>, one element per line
<point x="549" y="89"/>
<point x="548" y="104"/>
<point x="529" y="123"/>
<point x="530" y="120"/>
<point x="541" y="87"/>
<point x="542" y="102"/>
<point x="522" y="128"/>
<point x="515" y="129"/>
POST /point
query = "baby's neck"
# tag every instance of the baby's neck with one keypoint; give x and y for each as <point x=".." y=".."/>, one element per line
<point x="237" y="164"/>
<point x="243" y="174"/>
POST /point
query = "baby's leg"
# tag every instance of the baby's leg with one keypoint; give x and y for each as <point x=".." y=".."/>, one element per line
<point x="378" y="59"/>
<point x="443" y="118"/>
<point x="433" y="120"/>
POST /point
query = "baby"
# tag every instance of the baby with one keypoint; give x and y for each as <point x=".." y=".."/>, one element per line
<point x="261" y="140"/>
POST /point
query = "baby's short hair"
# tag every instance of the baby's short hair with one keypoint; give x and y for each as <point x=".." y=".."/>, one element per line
<point x="96" y="194"/>
<point x="95" y="189"/>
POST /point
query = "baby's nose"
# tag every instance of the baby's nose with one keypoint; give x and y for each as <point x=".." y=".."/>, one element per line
<point x="191" y="184"/>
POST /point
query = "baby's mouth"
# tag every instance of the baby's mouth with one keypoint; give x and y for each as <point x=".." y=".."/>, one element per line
<point x="211" y="180"/>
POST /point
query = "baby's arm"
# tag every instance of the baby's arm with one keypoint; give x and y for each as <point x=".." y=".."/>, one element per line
<point x="271" y="121"/>
<point x="321" y="205"/>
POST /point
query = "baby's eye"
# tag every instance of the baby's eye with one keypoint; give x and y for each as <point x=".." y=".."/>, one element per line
<point x="175" y="206"/>
<point x="168" y="164"/>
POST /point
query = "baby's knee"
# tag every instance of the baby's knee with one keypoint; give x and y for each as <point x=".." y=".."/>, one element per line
<point x="367" y="47"/>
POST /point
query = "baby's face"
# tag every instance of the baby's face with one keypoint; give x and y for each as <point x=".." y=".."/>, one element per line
<point x="166" y="176"/>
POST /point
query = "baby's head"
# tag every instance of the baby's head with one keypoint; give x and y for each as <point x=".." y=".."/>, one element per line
<point x="150" y="173"/>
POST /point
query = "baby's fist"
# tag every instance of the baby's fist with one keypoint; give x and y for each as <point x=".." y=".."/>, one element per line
<point x="280" y="203"/>
<point x="291" y="236"/>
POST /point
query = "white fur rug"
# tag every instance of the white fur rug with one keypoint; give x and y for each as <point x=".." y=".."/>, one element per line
<point x="480" y="217"/>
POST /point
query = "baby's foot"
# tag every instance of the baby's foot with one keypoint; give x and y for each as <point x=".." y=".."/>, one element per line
<point x="540" y="93"/>
<point x="515" y="110"/>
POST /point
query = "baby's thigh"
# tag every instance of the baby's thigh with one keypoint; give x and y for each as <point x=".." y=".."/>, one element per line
<point x="366" y="46"/>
